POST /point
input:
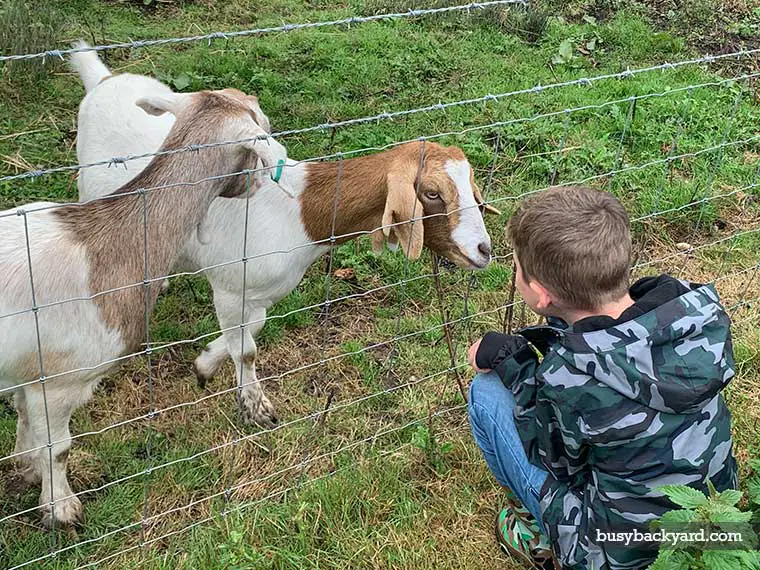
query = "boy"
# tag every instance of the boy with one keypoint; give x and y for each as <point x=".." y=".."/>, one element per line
<point x="626" y="398"/>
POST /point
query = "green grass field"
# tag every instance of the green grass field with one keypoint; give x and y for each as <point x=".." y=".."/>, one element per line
<point x="393" y="480"/>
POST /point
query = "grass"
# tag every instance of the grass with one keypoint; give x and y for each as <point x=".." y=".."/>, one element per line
<point x="380" y="481"/>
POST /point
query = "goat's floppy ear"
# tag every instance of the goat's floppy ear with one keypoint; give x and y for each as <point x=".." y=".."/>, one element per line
<point x="400" y="206"/>
<point x="479" y="200"/>
<point x="261" y="119"/>
<point x="157" y="105"/>
<point x="267" y="150"/>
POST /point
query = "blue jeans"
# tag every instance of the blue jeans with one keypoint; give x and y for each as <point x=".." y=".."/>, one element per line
<point x="491" y="409"/>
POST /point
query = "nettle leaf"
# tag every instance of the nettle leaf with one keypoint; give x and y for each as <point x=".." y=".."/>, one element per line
<point x="684" y="496"/>
<point x="721" y="512"/>
<point x="733" y="516"/>
<point x="753" y="490"/>
<point x="750" y="559"/>
<point x="754" y="464"/>
<point x="721" y="560"/>
<point x="679" y="516"/>
<point x="730" y="497"/>
<point x="673" y="560"/>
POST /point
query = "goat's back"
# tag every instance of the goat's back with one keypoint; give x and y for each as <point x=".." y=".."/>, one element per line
<point x="111" y="125"/>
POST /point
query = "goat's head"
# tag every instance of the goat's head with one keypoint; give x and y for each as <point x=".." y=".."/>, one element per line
<point x="436" y="183"/>
<point x="207" y="117"/>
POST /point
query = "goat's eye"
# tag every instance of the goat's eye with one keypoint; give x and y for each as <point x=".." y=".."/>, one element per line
<point x="432" y="195"/>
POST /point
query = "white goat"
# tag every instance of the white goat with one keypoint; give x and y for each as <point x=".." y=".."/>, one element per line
<point x="67" y="326"/>
<point x="375" y="191"/>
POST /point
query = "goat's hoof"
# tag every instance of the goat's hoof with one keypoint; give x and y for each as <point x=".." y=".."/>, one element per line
<point x="68" y="514"/>
<point x="259" y="412"/>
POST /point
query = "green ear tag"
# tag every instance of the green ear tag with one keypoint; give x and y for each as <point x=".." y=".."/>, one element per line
<point x="278" y="171"/>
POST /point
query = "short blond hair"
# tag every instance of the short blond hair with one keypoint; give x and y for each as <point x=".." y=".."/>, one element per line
<point x="576" y="242"/>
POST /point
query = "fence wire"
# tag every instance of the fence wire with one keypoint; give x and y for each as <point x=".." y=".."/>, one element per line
<point x="353" y="20"/>
<point x="418" y="322"/>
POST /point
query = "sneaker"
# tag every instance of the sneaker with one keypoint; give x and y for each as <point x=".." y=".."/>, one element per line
<point x="518" y="534"/>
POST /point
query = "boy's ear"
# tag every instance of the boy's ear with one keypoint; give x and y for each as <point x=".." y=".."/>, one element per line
<point x="543" y="295"/>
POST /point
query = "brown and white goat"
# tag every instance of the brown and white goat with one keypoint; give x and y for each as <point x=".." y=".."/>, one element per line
<point x="67" y="310"/>
<point x="285" y="237"/>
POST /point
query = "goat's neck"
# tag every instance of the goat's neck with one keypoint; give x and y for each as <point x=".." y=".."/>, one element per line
<point x="360" y="184"/>
<point x="112" y="230"/>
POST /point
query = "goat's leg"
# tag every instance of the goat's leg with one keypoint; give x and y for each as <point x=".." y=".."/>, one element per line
<point x="24" y="441"/>
<point x="253" y="401"/>
<point x="209" y="360"/>
<point x="58" y="504"/>
<point x="255" y="406"/>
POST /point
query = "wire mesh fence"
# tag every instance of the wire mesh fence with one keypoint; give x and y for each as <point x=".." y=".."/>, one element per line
<point x="368" y="348"/>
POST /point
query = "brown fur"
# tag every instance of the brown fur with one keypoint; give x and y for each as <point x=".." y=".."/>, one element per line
<point x="28" y="366"/>
<point x="363" y="211"/>
<point x="111" y="229"/>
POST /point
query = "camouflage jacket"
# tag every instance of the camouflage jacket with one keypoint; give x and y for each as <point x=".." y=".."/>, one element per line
<point x="617" y="408"/>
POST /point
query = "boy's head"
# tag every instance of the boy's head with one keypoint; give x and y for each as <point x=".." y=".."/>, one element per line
<point x="572" y="249"/>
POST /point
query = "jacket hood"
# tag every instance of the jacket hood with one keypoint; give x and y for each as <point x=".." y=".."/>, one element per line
<point x="671" y="351"/>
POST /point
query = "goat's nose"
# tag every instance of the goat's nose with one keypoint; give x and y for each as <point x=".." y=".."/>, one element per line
<point x="485" y="248"/>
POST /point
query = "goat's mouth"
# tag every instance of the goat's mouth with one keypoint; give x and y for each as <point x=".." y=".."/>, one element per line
<point x="464" y="261"/>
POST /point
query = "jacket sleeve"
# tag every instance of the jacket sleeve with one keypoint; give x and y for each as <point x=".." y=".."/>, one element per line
<point x="551" y="429"/>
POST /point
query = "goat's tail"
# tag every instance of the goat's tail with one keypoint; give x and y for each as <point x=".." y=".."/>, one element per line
<point x="89" y="67"/>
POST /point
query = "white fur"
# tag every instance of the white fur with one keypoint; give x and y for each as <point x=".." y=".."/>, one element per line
<point x="89" y="67"/>
<point x="470" y="232"/>
<point x="102" y="128"/>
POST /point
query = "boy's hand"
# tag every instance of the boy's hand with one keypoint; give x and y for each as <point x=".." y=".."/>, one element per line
<point x="488" y="353"/>
<point x="471" y="353"/>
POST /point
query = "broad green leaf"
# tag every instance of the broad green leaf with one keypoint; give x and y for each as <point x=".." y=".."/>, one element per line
<point x="684" y="496"/>
<point x="679" y="516"/>
<point x="730" y="497"/>
<point x="753" y="489"/>
<point x="181" y="81"/>
<point x="566" y="50"/>
<point x="673" y="560"/>
<point x="731" y="516"/>
<point x="750" y="559"/>
<point x="720" y="560"/>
